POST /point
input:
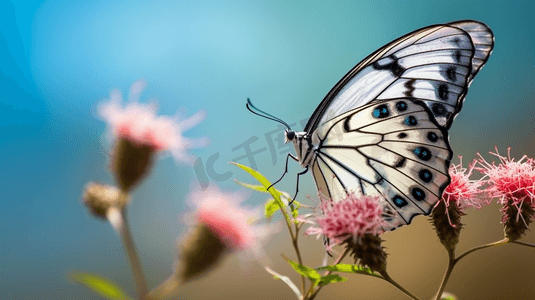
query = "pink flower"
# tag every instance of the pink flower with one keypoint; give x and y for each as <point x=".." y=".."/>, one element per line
<point x="462" y="190"/>
<point x="510" y="180"/>
<point x="513" y="183"/>
<point x="222" y="214"/>
<point x="139" y="124"/>
<point x="352" y="217"/>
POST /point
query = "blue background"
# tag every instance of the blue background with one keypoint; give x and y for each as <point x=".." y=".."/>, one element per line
<point x="59" y="58"/>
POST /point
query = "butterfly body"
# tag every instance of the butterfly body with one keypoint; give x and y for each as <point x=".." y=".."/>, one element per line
<point x="382" y="129"/>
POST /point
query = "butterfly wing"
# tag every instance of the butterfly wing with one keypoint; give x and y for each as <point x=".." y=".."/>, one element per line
<point x="434" y="64"/>
<point x="394" y="149"/>
<point x="382" y="130"/>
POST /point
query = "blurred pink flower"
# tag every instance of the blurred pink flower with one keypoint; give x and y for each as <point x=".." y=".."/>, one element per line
<point x="352" y="217"/>
<point x="462" y="190"/>
<point x="510" y="180"/>
<point x="236" y="226"/>
<point x="139" y="124"/>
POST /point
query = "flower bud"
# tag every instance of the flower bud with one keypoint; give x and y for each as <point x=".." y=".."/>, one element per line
<point x="100" y="198"/>
<point x="517" y="219"/>
<point x="447" y="223"/>
<point x="130" y="162"/>
<point x="201" y="250"/>
<point x="367" y="250"/>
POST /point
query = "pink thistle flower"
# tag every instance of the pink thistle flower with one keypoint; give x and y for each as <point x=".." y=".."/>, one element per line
<point x="232" y="224"/>
<point x="139" y="124"/>
<point x="350" y="218"/>
<point x="513" y="183"/>
<point x="462" y="190"/>
<point x="356" y="222"/>
<point x="220" y="225"/>
<point x="510" y="180"/>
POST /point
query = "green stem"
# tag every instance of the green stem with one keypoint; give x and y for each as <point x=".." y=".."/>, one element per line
<point x="130" y="249"/>
<point x="299" y="259"/>
<point x="285" y="214"/>
<point x="387" y="277"/>
<point x="453" y="261"/>
<point x="498" y="243"/>
<point x="451" y="265"/>
<point x="311" y="291"/>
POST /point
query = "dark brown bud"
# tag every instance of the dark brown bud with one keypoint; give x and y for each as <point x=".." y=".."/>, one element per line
<point x="368" y="252"/>
<point x="201" y="250"/>
<point x="130" y="162"/>
<point x="447" y="223"/>
<point x="517" y="219"/>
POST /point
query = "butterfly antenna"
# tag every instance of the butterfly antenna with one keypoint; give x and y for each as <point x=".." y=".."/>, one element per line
<point x="264" y="114"/>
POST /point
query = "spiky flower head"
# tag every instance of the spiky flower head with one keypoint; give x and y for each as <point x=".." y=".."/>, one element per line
<point x="220" y="215"/>
<point x="138" y="133"/>
<point x="355" y="222"/>
<point x="461" y="193"/>
<point x="513" y="184"/>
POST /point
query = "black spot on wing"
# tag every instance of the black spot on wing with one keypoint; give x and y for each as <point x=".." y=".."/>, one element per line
<point x="401" y="106"/>
<point x="451" y="73"/>
<point x="425" y="175"/>
<point x="401" y="162"/>
<point x="422" y="153"/>
<point x="411" y="121"/>
<point x="399" y="201"/>
<point x="432" y="137"/>
<point x="418" y="193"/>
<point x="381" y="111"/>
<point x="443" y="91"/>
<point x="457" y="56"/>
<point x="409" y="85"/>
<point x="438" y="109"/>
<point x="402" y="135"/>
<point x="392" y="65"/>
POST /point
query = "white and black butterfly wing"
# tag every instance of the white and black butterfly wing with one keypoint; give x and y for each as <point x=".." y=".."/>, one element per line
<point x="393" y="149"/>
<point x="435" y="65"/>
<point x="382" y="129"/>
<point x="483" y="41"/>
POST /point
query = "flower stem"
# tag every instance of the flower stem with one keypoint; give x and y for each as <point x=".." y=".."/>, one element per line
<point x="121" y="225"/>
<point x="313" y="293"/>
<point x="387" y="277"/>
<point x="524" y="244"/>
<point x="453" y="261"/>
<point x="498" y="243"/>
<point x="165" y="290"/>
<point x="298" y="253"/>
<point x="451" y="265"/>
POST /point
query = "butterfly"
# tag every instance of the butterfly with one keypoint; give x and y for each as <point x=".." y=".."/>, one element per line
<point x="383" y="128"/>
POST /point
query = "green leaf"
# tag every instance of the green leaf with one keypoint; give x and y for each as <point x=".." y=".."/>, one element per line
<point x="270" y="208"/>
<point x="347" y="268"/>
<point x="100" y="285"/>
<point x="333" y="278"/>
<point x="274" y="193"/>
<point x="295" y="213"/>
<point x="306" y="271"/>
<point x="286" y="280"/>
<point x="259" y="188"/>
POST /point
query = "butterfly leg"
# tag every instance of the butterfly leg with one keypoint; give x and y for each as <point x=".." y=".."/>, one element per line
<point x="297" y="186"/>
<point x="285" y="169"/>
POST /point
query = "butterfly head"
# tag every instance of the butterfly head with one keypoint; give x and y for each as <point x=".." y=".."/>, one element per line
<point x="289" y="135"/>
